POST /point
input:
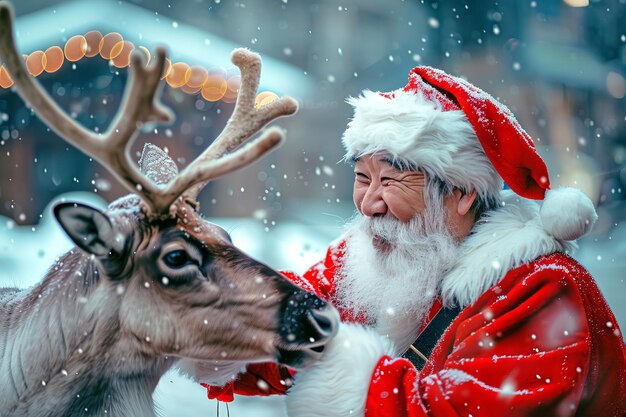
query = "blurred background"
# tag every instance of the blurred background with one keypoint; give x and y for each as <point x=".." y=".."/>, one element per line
<point x="558" y="64"/>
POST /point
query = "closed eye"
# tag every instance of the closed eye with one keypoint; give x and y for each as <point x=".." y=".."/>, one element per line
<point x="361" y="177"/>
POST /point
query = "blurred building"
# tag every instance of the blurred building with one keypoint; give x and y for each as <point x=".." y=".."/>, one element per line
<point x="560" y="69"/>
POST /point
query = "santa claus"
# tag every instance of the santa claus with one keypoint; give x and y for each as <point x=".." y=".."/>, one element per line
<point x="476" y="283"/>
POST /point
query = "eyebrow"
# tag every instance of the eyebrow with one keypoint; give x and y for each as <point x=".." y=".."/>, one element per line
<point x="388" y="160"/>
<point x="397" y="163"/>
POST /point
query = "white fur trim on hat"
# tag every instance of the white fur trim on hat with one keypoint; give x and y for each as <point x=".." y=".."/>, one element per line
<point x="440" y="143"/>
<point x="567" y="213"/>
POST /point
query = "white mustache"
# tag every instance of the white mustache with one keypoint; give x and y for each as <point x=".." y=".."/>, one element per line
<point x="397" y="233"/>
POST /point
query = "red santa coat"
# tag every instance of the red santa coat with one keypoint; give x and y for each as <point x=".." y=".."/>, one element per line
<point x="536" y="338"/>
<point x="542" y="342"/>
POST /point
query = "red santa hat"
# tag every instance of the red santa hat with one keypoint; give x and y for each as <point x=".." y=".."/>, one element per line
<point x="453" y="130"/>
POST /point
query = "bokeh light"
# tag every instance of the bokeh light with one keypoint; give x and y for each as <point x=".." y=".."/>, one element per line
<point x="121" y="54"/>
<point x="197" y="77"/>
<point x="54" y="59"/>
<point x="178" y="75"/>
<point x="115" y="50"/>
<point x="215" y="85"/>
<point x="36" y="62"/>
<point x="146" y="53"/>
<point x="93" y="39"/>
<point x="108" y="42"/>
<point x="75" y="48"/>
<point x="233" y="83"/>
<point x="5" y="79"/>
<point x="190" y="90"/>
<point x="264" y="98"/>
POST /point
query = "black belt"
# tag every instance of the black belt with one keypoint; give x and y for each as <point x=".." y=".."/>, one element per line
<point x="428" y="338"/>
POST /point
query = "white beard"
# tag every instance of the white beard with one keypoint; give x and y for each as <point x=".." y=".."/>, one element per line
<point x="395" y="289"/>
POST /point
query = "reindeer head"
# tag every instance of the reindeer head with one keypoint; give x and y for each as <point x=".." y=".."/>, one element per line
<point x="179" y="285"/>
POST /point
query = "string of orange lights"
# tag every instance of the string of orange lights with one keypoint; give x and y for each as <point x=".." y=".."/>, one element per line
<point x="213" y="85"/>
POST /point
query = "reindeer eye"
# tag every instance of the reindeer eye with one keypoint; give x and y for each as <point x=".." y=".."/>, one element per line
<point x="177" y="259"/>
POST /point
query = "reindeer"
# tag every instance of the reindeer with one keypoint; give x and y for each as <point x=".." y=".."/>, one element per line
<point x="150" y="282"/>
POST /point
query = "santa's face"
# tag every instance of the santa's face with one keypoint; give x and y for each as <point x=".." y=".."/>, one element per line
<point x="384" y="189"/>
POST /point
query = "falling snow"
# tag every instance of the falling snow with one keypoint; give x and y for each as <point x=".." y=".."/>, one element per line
<point x="286" y="213"/>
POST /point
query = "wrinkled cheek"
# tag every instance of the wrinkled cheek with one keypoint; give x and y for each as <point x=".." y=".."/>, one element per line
<point x="402" y="211"/>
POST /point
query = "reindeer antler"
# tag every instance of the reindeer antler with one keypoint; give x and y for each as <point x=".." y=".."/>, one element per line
<point x="245" y="121"/>
<point x="141" y="105"/>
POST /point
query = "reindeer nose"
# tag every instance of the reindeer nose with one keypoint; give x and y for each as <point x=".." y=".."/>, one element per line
<point x="325" y="319"/>
<point x="307" y="321"/>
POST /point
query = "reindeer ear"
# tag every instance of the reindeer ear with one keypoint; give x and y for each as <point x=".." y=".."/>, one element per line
<point x="88" y="227"/>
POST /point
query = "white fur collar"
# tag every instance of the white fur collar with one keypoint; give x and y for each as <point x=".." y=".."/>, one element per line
<point x="502" y="240"/>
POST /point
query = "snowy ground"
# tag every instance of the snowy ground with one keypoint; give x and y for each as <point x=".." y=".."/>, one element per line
<point x="26" y="253"/>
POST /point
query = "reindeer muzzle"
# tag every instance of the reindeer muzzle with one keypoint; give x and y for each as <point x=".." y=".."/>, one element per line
<point x="307" y="324"/>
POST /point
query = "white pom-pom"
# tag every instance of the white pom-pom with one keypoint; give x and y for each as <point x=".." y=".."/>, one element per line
<point x="567" y="213"/>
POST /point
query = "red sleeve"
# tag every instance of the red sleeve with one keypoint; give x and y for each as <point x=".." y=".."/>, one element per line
<point x="320" y="278"/>
<point x="270" y="378"/>
<point x="522" y="349"/>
